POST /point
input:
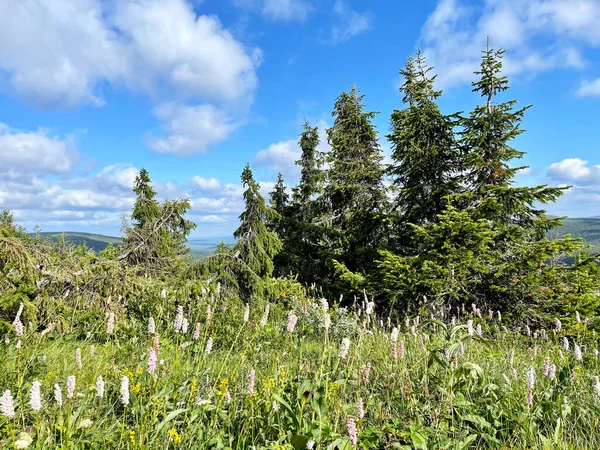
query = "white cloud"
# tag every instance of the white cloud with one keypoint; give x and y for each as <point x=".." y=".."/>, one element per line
<point x="525" y="172"/>
<point x="278" y="10"/>
<point x="161" y="48"/>
<point x="34" y="152"/>
<point x="281" y="157"/>
<point x="348" y="23"/>
<point x="456" y="32"/>
<point x="190" y="129"/>
<point x="575" y="170"/>
<point x="589" y="88"/>
<point x="286" y="10"/>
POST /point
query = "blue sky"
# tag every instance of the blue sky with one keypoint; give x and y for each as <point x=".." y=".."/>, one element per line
<point x="93" y="90"/>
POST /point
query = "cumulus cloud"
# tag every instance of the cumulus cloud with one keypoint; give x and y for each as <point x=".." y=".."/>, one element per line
<point x="348" y="23"/>
<point x="589" y="88"/>
<point x="35" y="152"/>
<point x="456" y="32"/>
<point x="190" y="129"/>
<point x="161" y="48"/>
<point x="281" y="157"/>
<point x="575" y="170"/>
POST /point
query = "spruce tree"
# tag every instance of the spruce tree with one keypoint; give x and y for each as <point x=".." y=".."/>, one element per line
<point x="311" y="175"/>
<point x="425" y="158"/>
<point x="354" y="199"/>
<point x="146" y="208"/>
<point x="302" y="236"/>
<point x="256" y="245"/>
<point x="486" y="140"/>
<point x="279" y="197"/>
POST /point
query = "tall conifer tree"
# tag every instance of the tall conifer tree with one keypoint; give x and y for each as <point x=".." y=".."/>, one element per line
<point x="354" y="198"/>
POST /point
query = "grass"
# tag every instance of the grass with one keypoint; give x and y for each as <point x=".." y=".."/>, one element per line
<point x="449" y="387"/>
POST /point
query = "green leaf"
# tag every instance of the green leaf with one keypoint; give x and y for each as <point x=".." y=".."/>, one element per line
<point x="170" y="417"/>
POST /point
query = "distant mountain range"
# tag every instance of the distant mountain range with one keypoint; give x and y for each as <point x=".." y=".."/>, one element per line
<point x="587" y="228"/>
<point x="199" y="247"/>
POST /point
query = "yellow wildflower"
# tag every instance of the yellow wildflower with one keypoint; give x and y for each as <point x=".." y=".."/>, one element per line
<point x="175" y="435"/>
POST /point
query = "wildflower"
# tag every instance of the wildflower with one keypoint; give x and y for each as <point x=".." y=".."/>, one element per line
<point x="163" y="293"/>
<point x="360" y="409"/>
<point x="85" y="423"/>
<point x="402" y="350"/>
<point x="251" y="382"/>
<point x="7" y="341"/>
<point x="454" y="362"/>
<point x="152" y="360"/>
<point x="99" y="387"/>
<point x="491" y="314"/>
<point x="461" y="348"/>
<point x="275" y="406"/>
<point x="70" y="386"/>
<point x="310" y="444"/>
<point x="370" y="308"/>
<point x="546" y="366"/>
<point x="324" y="305"/>
<point x="292" y="319"/>
<point x="527" y="330"/>
<point x="479" y="330"/>
<point x="352" y="431"/>
<point x="505" y="378"/>
<point x="597" y="387"/>
<point x="552" y="372"/>
<point x="246" y="313"/>
<point x="595" y="353"/>
<point x="499" y="315"/>
<point x="394" y="335"/>
<point x="543" y="334"/>
<point x="151" y="326"/>
<point x="511" y="357"/>
<point x="470" y="327"/>
<point x="478" y="313"/>
<point x="513" y="372"/>
<point x="125" y="390"/>
<point x="208" y="314"/>
<point x="227" y="397"/>
<point x="413" y="330"/>
<point x="23" y="440"/>
<point x="366" y="372"/>
<point x="175" y="436"/>
<point x="209" y="346"/>
<point x="453" y="322"/>
<point x="7" y="405"/>
<point x="110" y="325"/>
<point x="184" y="325"/>
<point x="35" y="396"/>
<point x="529" y="397"/>
<point x="577" y="351"/>
<point x="566" y="343"/>
<point x="326" y="322"/>
<point x="92" y="350"/>
<point x="178" y="319"/>
<point x="58" y="395"/>
<point x="530" y="378"/>
<point x="557" y="325"/>
<point x="19" y="344"/>
<point x="78" y="358"/>
<point x="577" y="317"/>
<point x="344" y="347"/>
<point x="201" y="401"/>
<point x="265" y="316"/>
<point x="196" y="334"/>
<point x="19" y="330"/>
<point x="394" y="351"/>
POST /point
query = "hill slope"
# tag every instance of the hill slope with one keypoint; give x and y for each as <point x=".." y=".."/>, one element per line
<point x="199" y="247"/>
<point x="587" y="228"/>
